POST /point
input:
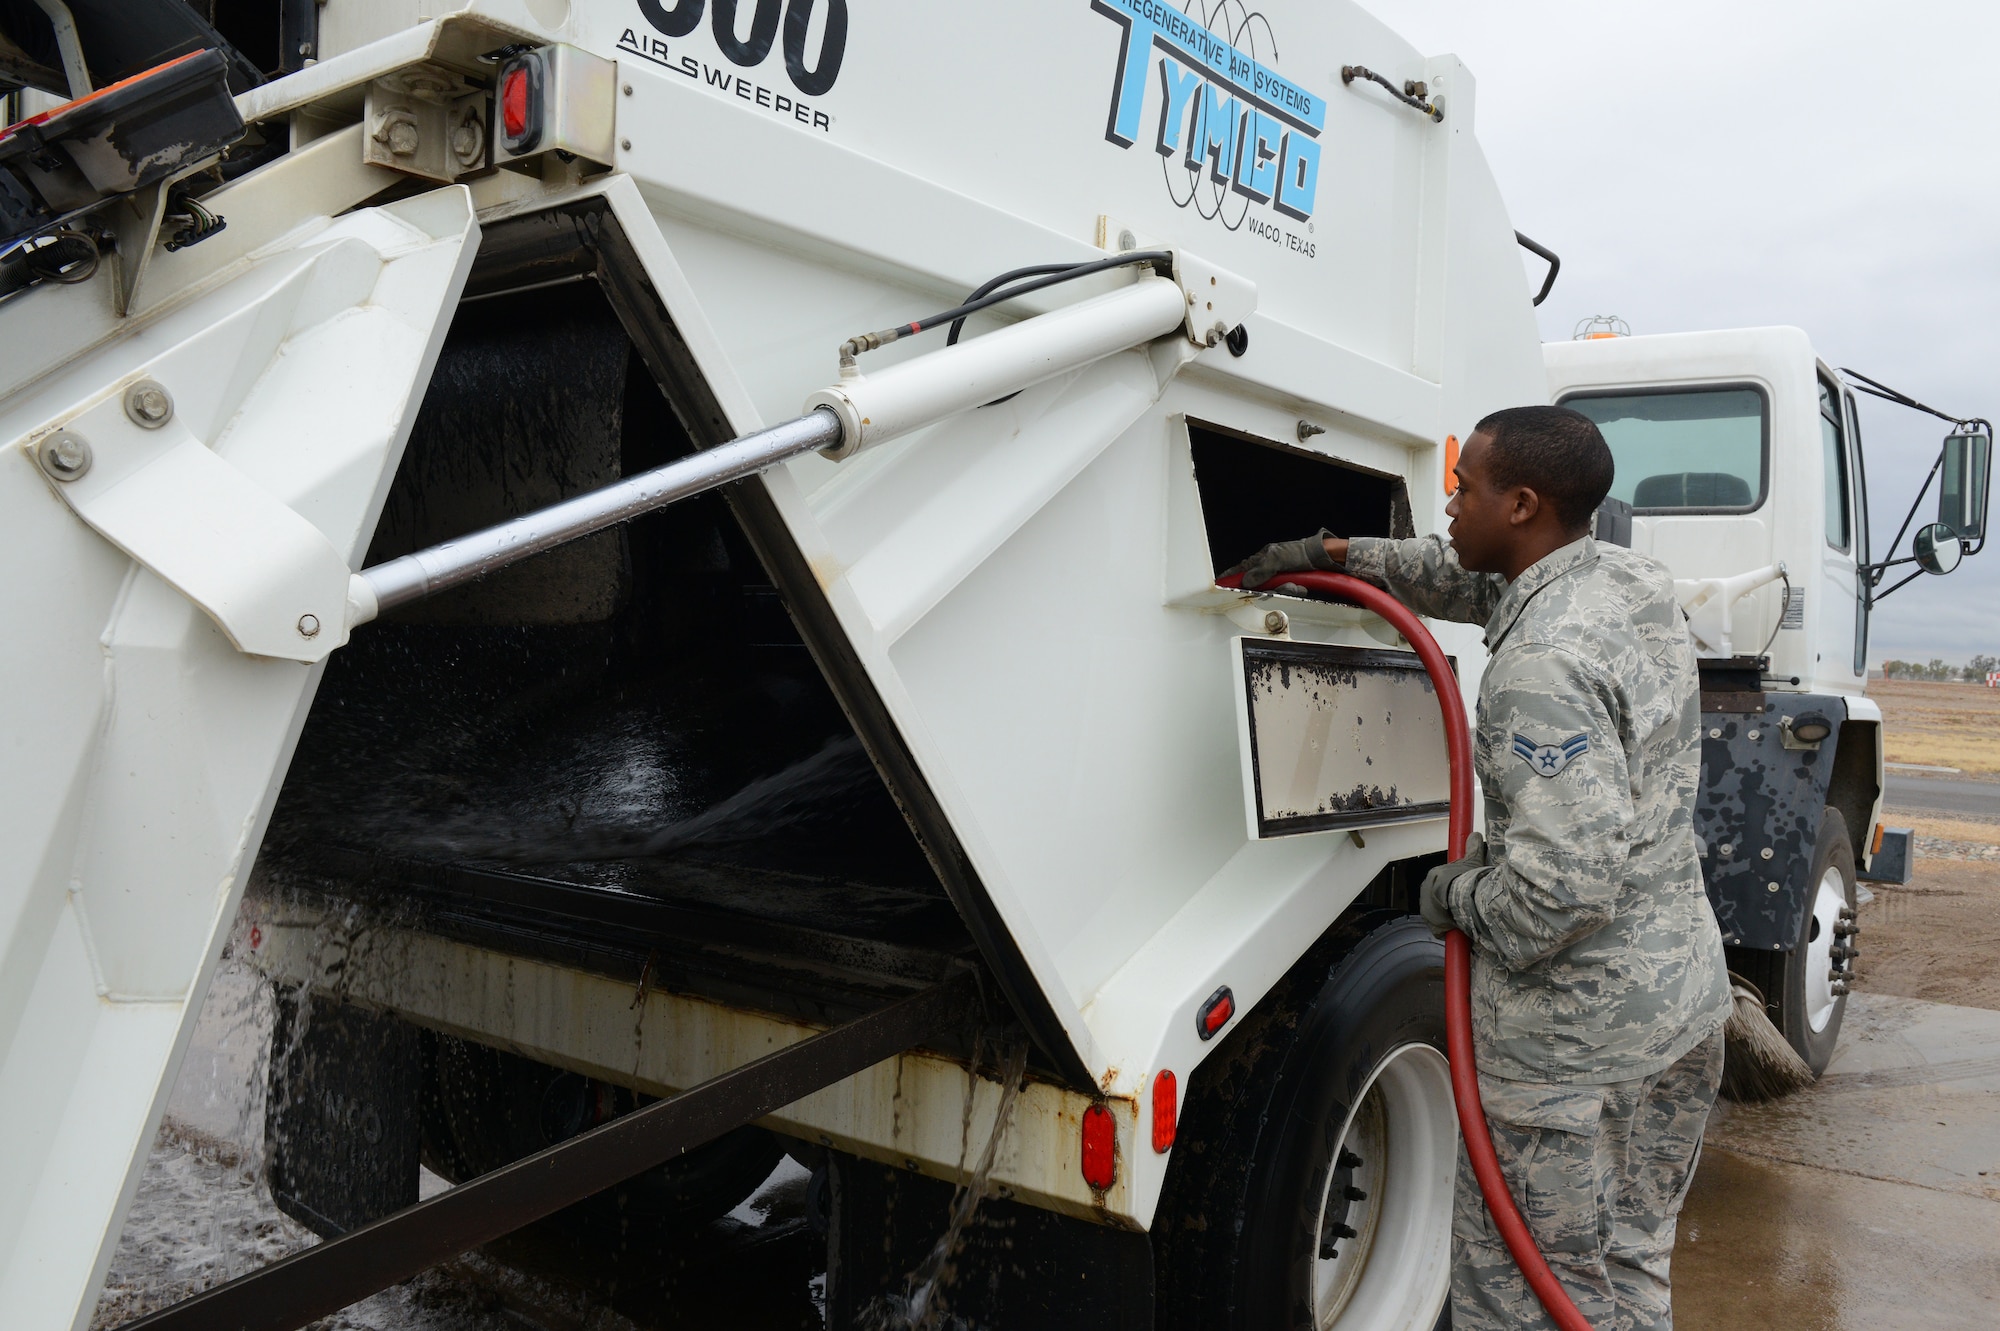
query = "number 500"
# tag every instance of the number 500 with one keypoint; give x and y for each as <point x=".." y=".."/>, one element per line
<point x="683" y="16"/>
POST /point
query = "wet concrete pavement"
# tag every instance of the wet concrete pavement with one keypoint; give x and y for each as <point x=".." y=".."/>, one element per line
<point x="1870" y="1200"/>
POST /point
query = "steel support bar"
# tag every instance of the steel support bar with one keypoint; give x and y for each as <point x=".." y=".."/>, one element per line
<point x="295" y="1290"/>
<point x="450" y="563"/>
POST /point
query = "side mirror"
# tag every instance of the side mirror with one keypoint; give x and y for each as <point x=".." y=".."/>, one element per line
<point x="1968" y="470"/>
<point x="1937" y="548"/>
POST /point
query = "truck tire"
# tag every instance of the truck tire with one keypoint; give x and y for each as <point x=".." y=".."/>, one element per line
<point x="1311" y="1186"/>
<point x="1797" y="985"/>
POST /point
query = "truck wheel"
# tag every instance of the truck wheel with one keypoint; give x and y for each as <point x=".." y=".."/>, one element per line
<point x="1798" y="985"/>
<point x="1312" y="1183"/>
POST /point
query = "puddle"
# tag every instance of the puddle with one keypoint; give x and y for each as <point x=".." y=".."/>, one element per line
<point x="1768" y="1244"/>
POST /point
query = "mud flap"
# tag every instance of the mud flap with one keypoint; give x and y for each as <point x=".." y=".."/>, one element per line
<point x="1015" y="1266"/>
<point x="341" y="1130"/>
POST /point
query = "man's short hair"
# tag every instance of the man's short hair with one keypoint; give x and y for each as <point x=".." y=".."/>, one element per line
<point x="1558" y="453"/>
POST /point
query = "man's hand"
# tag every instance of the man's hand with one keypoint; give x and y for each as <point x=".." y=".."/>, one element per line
<point x="1436" y="895"/>
<point x="1287" y="557"/>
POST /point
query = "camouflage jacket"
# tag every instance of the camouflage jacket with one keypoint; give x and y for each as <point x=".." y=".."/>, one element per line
<point x="1596" y="956"/>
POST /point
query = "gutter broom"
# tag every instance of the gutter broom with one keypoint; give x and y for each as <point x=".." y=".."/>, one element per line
<point x="1757" y="1062"/>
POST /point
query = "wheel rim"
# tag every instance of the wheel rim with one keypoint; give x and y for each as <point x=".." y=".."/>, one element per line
<point x="1820" y="937"/>
<point x="1384" y="1257"/>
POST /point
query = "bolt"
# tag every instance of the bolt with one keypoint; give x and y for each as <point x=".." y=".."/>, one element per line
<point x="1755" y="733"/>
<point x="397" y="131"/>
<point x="1724" y="849"/>
<point x="308" y="626"/>
<point x="64" y="456"/>
<point x="628" y="90"/>
<point x="148" y="404"/>
<point x="1770" y="887"/>
<point x="626" y="144"/>
<point x="468" y="141"/>
<point x="1307" y="430"/>
<point x="1275" y="621"/>
<point x="1715" y="734"/>
<point x="1766" y="852"/>
<point x="1127" y="241"/>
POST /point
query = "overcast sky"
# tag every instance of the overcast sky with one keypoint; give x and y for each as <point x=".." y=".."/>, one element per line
<point x="1834" y="165"/>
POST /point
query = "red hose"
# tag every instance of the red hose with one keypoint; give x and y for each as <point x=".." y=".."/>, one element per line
<point x="1457" y="947"/>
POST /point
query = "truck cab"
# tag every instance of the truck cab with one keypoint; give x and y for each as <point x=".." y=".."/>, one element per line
<point x="1739" y="451"/>
<point x="1739" y="455"/>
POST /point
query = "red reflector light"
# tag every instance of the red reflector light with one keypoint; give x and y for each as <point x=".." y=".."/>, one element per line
<point x="1164" y="1111"/>
<point x="514" y="102"/>
<point x="1215" y="1013"/>
<point x="1100" y="1148"/>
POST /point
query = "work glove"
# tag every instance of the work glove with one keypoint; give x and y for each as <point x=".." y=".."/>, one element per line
<point x="1436" y="895"/>
<point x="1285" y="557"/>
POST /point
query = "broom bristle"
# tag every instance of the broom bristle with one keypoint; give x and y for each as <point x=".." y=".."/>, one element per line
<point x="1758" y="1063"/>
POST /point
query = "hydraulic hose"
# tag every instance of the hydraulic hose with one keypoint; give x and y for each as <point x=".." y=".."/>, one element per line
<point x="1457" y="947"/>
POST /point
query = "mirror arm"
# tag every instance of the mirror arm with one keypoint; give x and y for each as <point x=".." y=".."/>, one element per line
<point x="1875" y="597"/>
<point x="1875" y="388"/>
<point x="1874" y="572"/>
<point x="1915" y="504"/>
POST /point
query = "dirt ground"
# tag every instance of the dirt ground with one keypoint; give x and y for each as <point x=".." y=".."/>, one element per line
<point x="1936" y="939"/>
<point x="1943" y="725"/>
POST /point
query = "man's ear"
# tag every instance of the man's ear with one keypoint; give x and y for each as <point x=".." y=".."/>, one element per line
<point x="1526" y="505"/>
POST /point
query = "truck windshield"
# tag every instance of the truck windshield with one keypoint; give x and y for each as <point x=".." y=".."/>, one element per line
<point x="1684" y="451"/>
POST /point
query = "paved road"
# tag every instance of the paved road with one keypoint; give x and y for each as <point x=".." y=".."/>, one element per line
<point x="1929" y="794"/>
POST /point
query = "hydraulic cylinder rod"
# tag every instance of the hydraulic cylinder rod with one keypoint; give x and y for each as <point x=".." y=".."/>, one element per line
<point x="450" y="563"/>
<point x="860" y="411"/>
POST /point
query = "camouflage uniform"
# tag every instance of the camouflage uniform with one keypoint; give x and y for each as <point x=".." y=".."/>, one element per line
<point x="1598" y="982"/>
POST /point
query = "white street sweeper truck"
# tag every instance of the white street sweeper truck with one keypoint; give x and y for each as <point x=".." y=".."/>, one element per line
<point x="652" y="564"/>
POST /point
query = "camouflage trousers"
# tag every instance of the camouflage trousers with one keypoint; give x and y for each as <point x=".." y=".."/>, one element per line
<point x="1599" y="1173"/>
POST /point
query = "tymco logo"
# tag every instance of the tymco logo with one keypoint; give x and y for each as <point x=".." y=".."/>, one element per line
<point x="1232" y="133"/>
<point x="748" y="48"/>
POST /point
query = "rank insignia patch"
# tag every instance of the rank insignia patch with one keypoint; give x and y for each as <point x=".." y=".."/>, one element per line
<point x="1549" y="759"/>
